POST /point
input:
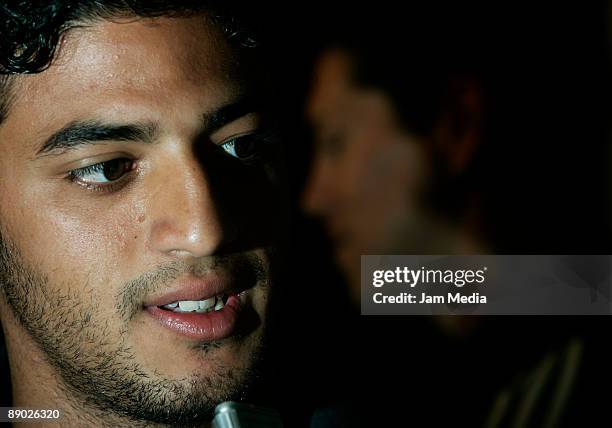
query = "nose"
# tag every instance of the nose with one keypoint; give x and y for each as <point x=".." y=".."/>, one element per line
<point x="186" y="221"/>
<point x="318" y="196"/>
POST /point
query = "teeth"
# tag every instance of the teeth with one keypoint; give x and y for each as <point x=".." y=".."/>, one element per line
<point x="207" y="304"/>
<point x="200" y="306"/>
<point x="188" y="305"/>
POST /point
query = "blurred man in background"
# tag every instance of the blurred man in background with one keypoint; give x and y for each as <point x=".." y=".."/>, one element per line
<point x="398" y="122"/>
<point x="437" y="131"/>
<point x="464" y="130"/>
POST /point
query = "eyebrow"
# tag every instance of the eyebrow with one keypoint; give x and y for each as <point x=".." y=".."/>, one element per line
<point x="79" y="133"/>
<point x="226" y="114"/>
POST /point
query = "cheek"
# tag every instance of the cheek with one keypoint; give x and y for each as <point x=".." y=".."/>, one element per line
<point x="366" y="174"/>
<point x="75" y="243"/>
<point x="387" y="189"/>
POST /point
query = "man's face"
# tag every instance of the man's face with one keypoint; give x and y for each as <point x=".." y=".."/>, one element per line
<point x="121" y="193"/>
<point x="368" y="175"/>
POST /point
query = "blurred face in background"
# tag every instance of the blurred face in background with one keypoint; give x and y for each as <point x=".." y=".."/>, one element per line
<point x="369" y="176"/>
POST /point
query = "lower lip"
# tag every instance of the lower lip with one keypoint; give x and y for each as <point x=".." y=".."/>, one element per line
<point x="207" y="326"/>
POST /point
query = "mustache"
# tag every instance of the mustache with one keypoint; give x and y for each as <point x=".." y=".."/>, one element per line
<point x="246" y="268"/>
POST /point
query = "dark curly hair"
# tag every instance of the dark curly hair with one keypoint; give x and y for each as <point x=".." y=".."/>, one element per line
<point x="30" y="30"/>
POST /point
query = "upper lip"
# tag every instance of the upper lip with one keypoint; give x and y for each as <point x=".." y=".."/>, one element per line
<point x="197" y="288"/>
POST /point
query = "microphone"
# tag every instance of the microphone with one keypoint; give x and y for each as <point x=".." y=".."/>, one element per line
<point x="230" y="414"/>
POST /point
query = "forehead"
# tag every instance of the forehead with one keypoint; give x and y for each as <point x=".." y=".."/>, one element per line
<point x="164" y="48"/>
<point x="331" y="85"/>
<point x="119" y="68"/>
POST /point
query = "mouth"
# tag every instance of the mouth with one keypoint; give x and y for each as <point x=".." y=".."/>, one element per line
<point x="337" y="234"/>
<point x="205" y="309"/>
<point x="213" y="304"/>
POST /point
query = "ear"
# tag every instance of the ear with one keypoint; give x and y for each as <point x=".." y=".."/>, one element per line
<point x="458" y="132"/>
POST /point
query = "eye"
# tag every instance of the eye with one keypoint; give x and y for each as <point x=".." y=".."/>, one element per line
<point x="243" y="147"/>
<point x="103" y="172"/>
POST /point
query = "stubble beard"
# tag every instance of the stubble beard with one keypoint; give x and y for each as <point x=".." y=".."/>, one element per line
<point x="95" y="368"/>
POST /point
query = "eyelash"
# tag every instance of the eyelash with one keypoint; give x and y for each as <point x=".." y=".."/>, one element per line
<point x="257" y="139"/>
<point x="76" y="176"/>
